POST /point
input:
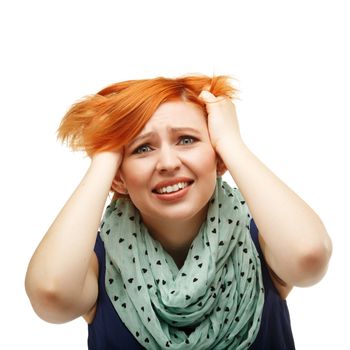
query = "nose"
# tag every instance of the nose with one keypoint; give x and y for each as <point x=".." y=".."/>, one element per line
<point x="168" y="160"/>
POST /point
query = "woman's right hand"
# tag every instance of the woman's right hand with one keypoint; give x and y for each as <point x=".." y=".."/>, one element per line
<point x="109" y="156"/>
<point x="108" y="159"/>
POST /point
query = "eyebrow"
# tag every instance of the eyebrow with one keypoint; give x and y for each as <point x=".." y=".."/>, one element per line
<point x="177" y="130"/>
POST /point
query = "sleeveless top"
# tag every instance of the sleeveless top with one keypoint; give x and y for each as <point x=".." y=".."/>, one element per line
<point x="107" y="331"/>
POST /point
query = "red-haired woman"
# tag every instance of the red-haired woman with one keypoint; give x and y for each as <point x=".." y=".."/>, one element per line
<point x="180" y="260"/>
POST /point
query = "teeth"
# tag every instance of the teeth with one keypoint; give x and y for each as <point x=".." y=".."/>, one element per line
<point x="173" y="188"/>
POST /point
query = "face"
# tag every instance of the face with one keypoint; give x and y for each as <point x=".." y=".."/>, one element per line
<point x="170" y="168"/>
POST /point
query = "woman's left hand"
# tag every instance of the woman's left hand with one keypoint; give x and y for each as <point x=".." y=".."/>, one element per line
<point x="222" y="120"/>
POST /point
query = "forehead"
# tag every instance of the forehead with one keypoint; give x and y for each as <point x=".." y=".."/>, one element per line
<point x="177" y="112"/>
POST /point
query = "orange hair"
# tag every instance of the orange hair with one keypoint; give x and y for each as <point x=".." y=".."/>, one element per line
<point x="111" y="118"/>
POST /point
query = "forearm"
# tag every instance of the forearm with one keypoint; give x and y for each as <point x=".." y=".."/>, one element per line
<point x="292" y="231"/>
<point x="61" y="261"/>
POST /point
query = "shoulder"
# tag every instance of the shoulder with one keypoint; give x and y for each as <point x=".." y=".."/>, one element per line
<point x="282" y="287"/>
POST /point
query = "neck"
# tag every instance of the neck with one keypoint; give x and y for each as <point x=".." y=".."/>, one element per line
<point x="176" y="237"/>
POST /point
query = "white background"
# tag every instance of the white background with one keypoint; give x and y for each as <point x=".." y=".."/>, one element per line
<point x="291" y="61"/>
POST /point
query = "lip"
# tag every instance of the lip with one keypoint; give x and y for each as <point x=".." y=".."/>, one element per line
<point x="171" y="183"/>
<point x="174" y="196"/>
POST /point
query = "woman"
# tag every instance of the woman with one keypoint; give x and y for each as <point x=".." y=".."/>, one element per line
<point x="177" y="262"/>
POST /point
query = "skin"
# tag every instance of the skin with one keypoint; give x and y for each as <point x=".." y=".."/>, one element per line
<point x="168" y="154"/>
<point x="61" y="280"/>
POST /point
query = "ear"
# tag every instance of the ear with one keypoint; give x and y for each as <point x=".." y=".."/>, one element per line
<point x="220" y="167"/>
<point x="118" y="185"/>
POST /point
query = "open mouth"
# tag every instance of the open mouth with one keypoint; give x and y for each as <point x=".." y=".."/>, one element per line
<point x="173" y="188"/>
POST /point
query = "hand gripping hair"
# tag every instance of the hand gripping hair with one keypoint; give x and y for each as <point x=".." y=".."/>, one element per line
<point x="111" y="118"/>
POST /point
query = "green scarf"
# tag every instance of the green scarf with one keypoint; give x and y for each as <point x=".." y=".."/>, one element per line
<point x="218" y="292"/>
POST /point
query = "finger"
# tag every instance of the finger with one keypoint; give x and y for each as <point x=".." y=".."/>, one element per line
<point x="207" y="96"/>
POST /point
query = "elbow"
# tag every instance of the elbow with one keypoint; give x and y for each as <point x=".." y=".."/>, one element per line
<point x="48" y="303"/>
<point x="313" y="263"/>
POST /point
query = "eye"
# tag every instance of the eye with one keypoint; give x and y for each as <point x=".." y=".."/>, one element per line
<point x="187" y="140"/>
<point x="142" y="149"/>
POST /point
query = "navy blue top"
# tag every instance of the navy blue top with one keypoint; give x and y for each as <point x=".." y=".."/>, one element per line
<point x="108" y="332"/>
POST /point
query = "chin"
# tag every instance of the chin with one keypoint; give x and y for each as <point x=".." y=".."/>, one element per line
<point x="185" y="214"/>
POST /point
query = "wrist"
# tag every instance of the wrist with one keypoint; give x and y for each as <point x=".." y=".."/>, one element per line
<point x="229" y="146"/>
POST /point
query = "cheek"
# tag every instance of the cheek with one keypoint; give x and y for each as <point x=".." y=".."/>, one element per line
<point x="210" y="160"/>
<point x="135" y="173"/>
<point x="205" y="160"/>
<point x="128" y="176"/>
